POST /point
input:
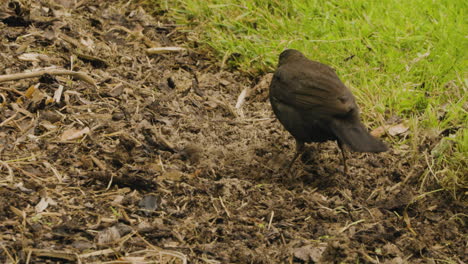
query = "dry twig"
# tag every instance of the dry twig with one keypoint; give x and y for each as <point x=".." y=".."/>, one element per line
<point x="25" y="75"/>
<point x="161" y="50"/>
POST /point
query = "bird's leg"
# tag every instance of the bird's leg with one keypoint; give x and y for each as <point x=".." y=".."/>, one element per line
<point x="299" y="151"/>
<point x="343" y="155"/>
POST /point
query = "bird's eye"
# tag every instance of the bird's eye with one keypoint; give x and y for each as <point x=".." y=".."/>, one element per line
<point x="342" y="99"/>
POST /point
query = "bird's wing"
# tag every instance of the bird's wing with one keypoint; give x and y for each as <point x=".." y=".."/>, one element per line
<point x="312" y="88"/>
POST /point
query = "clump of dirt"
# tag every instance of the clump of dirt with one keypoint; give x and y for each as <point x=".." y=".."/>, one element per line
<point x="153" y="157"/>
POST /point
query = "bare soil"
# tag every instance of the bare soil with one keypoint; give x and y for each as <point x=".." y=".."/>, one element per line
<point x="155" y="164"/>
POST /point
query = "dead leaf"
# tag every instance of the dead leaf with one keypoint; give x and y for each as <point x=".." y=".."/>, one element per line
<point x="30" y="91"/>
<point x="309" y="253"/>
<point x="149" y="203"/>
<point x="108" y="235"/>
<point x="73" y="133"/>
<point x="117" y="200"/>
<point x="42" y="205"/>
<point x="173" y="175"/>
<point x="397" y="129"/>
<point x="392" y="130"/>
<point x="88" y="42"/>
<point x="442" y="147"/>
<point x="391" y="249"/>
<point x="378" y="132"/>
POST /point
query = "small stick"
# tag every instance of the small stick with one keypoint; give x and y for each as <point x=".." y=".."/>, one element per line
<point x="164" y="50"/>
<point x="7" y="253"/>
<point x="8" y="119"/>
<point x="10" y="171"/>
<point x="241" y="98"/>
<point x="225" y="209"/>
<point x="99" y="253"/>
<point x="350" y="225"/>
<point x="271" y="219"/>
<point x="58" y="94"/>
<point x="161" y="252"/>
<point x="214" y="206"/>
<point x="54" y="254"/>
<point x="98" y="163"/>
<point x="11" y="90"/>
<point x="25" y="75"/>
<point x="138" y="35"/>
<point x="91" y="58"/>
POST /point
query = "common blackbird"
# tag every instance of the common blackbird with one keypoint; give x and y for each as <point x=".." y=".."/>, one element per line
<point x="314" y="105"/>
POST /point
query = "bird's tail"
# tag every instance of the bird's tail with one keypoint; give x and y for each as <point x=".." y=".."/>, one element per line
<point x="356" y="136"/>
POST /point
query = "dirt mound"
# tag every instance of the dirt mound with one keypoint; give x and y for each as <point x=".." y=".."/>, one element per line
<point x="161" y="161"/>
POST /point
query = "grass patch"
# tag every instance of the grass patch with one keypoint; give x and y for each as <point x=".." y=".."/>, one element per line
<point x="400" y="58"/>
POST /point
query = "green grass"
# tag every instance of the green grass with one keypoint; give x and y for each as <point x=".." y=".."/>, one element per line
<point x="400" y="58"/>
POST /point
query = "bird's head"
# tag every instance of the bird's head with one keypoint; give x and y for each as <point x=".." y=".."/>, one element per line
<point x="289" y="55"/>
